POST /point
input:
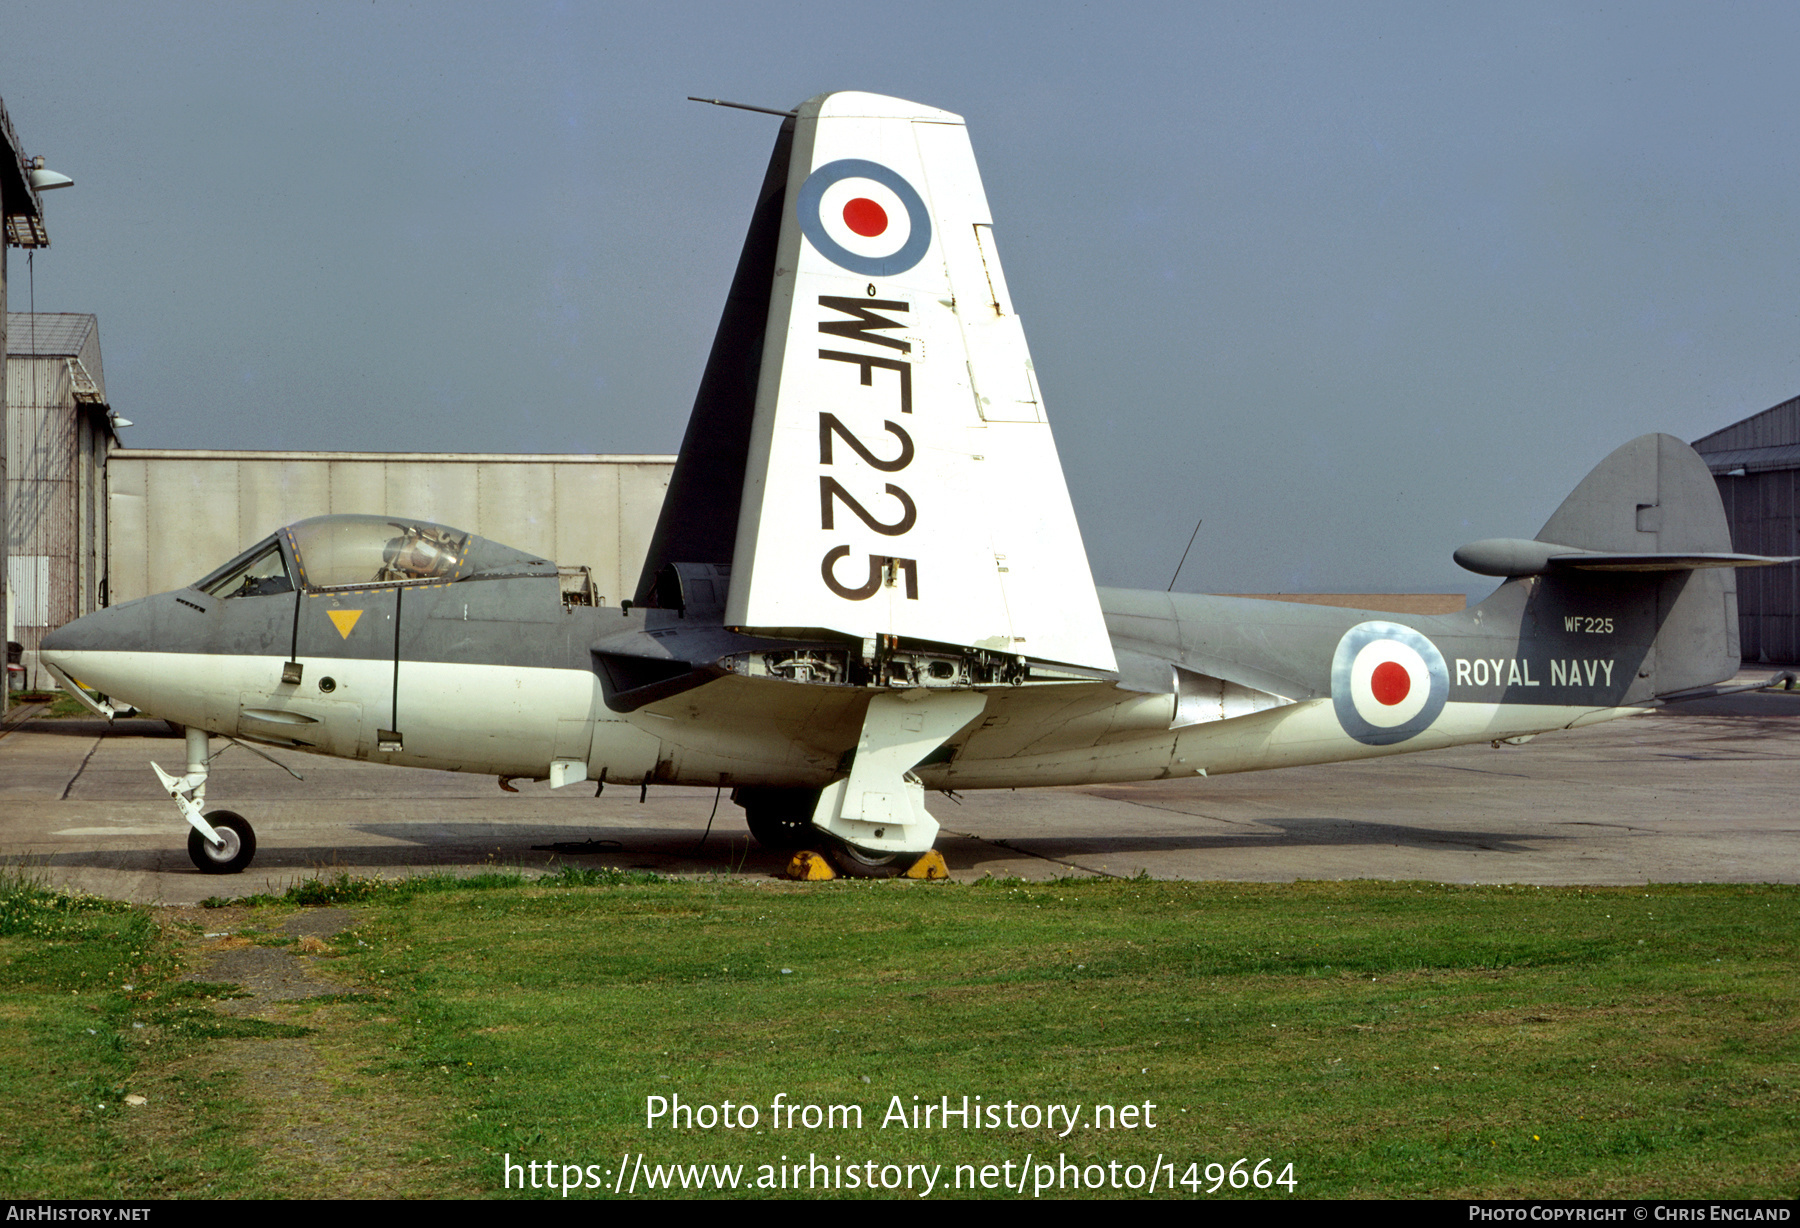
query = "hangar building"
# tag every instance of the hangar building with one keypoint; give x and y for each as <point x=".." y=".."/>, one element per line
<point x="59" y="431"/>
<point x="23" y="212"/>
<point x="1756" y="463"/>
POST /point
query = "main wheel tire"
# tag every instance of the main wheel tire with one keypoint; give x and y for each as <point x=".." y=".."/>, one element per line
<point x="239" y="847"/>
<point x="780" y="819"/>
<point x="853" y="862"/>
<point x="779" y="832"/>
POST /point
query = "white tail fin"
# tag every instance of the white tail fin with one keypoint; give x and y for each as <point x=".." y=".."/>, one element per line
<point x="902" y="479"/>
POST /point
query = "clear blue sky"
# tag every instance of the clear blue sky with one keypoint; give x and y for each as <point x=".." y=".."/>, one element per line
<point x="1356" y="284"/>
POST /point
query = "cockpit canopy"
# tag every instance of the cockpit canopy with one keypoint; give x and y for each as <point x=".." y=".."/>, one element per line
<point x="344" y="552"/>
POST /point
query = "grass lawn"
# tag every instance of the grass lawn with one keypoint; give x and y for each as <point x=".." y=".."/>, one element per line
<point x="60" y="704"/>
<point x="1381" y="1039"/>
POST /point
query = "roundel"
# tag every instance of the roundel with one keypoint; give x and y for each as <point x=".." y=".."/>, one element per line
<point x="1388" y="683"/>
<point x="863" y="217"/>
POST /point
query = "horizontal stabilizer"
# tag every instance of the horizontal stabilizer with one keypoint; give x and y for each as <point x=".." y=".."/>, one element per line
<point x="1511" y="556"/>
<point x="1663" y="562"/>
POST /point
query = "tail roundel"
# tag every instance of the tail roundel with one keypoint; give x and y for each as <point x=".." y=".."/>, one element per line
<point x="900" y="478"/>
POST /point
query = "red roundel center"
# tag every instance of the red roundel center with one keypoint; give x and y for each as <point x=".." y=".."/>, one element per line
<point x="865" y="217"/>
<point x="1390" y="683"/>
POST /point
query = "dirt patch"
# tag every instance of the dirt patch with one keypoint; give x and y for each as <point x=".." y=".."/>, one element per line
<point x="269" y="974"/>
<point x="322" y="1114"/>
<point x="319" y="923"/>
<point x="232" y="954"/>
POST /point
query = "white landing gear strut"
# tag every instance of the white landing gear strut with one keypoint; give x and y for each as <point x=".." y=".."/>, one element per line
<point x="221" y="843"/>
<point x="879" y="808"/>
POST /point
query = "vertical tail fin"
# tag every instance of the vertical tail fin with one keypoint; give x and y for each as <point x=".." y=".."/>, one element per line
<point x="698" y="523"/>
<point x="1655" y="495"/>
<point x="1639" y="554"/>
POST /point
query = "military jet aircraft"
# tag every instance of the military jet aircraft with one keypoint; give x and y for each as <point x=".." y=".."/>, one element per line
<point x="867" y="581"/>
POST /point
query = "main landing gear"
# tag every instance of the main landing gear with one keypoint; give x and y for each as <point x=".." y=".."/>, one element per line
<point x="853" y="862"/>
<point x="873" y="821"/>
<point x="782" y="821"/>
<point x="221" y="842"/>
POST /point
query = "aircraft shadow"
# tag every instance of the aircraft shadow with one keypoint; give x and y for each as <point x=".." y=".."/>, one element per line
<point x="677" y="854"/>
<point x="729" y="849"/>
<point x="94" y="727"/>
<point x="1292" y="833"/>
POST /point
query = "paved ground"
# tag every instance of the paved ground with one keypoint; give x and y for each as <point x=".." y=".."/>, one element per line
<point x="1707" y="792"/>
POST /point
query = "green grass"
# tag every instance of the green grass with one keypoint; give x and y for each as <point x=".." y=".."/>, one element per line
<point x="61" y="704"/>
<point x="73" y="972"/>
<point x="1384" y="1039"/>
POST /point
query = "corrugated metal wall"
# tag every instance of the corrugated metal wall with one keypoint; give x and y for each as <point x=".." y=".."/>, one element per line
<point x="1756" y="463"/>
<point x="40" y="503"/>
<point x="1775" y="427"/>
<point x="1762" y="509"/>
<point x="55" y="468"/>
<point x="176" y="515"/>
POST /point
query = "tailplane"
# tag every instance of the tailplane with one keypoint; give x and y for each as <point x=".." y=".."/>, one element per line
<point x="1653" y="501"/>
<point x="1640" y="554"/>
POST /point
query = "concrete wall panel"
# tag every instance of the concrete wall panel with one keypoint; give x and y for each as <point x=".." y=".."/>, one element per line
<point x="128" y="569"/>
<point x="176" y="515"/>
<point x="516" y="504"/>
<point x="274" y="493"/>
<point x="642" y="488"/>
<point x="193" y="523"/>
<point x="448" y="494"/>
<point x="356" y="487"/>
<point x="587" y="513"/>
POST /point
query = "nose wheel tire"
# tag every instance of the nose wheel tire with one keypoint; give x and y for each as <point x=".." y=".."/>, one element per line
<point x="234" y="855"/>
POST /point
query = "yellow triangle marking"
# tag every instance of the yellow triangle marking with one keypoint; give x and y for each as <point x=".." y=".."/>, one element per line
<point x="344" y="620"/>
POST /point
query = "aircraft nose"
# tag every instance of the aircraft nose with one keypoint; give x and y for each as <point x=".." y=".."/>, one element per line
<point x="57" y="641"/>
<point x="55" y="645"/>
<point x="121" y="628"/>
<point x="112" y="651"/>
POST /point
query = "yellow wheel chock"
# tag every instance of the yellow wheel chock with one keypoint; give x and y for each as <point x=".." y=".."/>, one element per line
<point x="810" y="867"/>
<point x="930" y="866"/>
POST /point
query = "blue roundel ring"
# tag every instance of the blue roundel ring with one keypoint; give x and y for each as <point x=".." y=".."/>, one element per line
<point x="1343" y="693"/>
<point x="807" y="206"/>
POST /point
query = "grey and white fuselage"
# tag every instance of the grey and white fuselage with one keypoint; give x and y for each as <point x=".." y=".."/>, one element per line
<point x="499" y="676"/>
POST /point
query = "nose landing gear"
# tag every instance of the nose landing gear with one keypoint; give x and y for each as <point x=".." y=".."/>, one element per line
<point x="221" y="842"/>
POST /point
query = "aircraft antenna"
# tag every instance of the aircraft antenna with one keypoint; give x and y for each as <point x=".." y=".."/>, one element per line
<point x="743" y="106"/>
<point x="1184" y="554"/>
